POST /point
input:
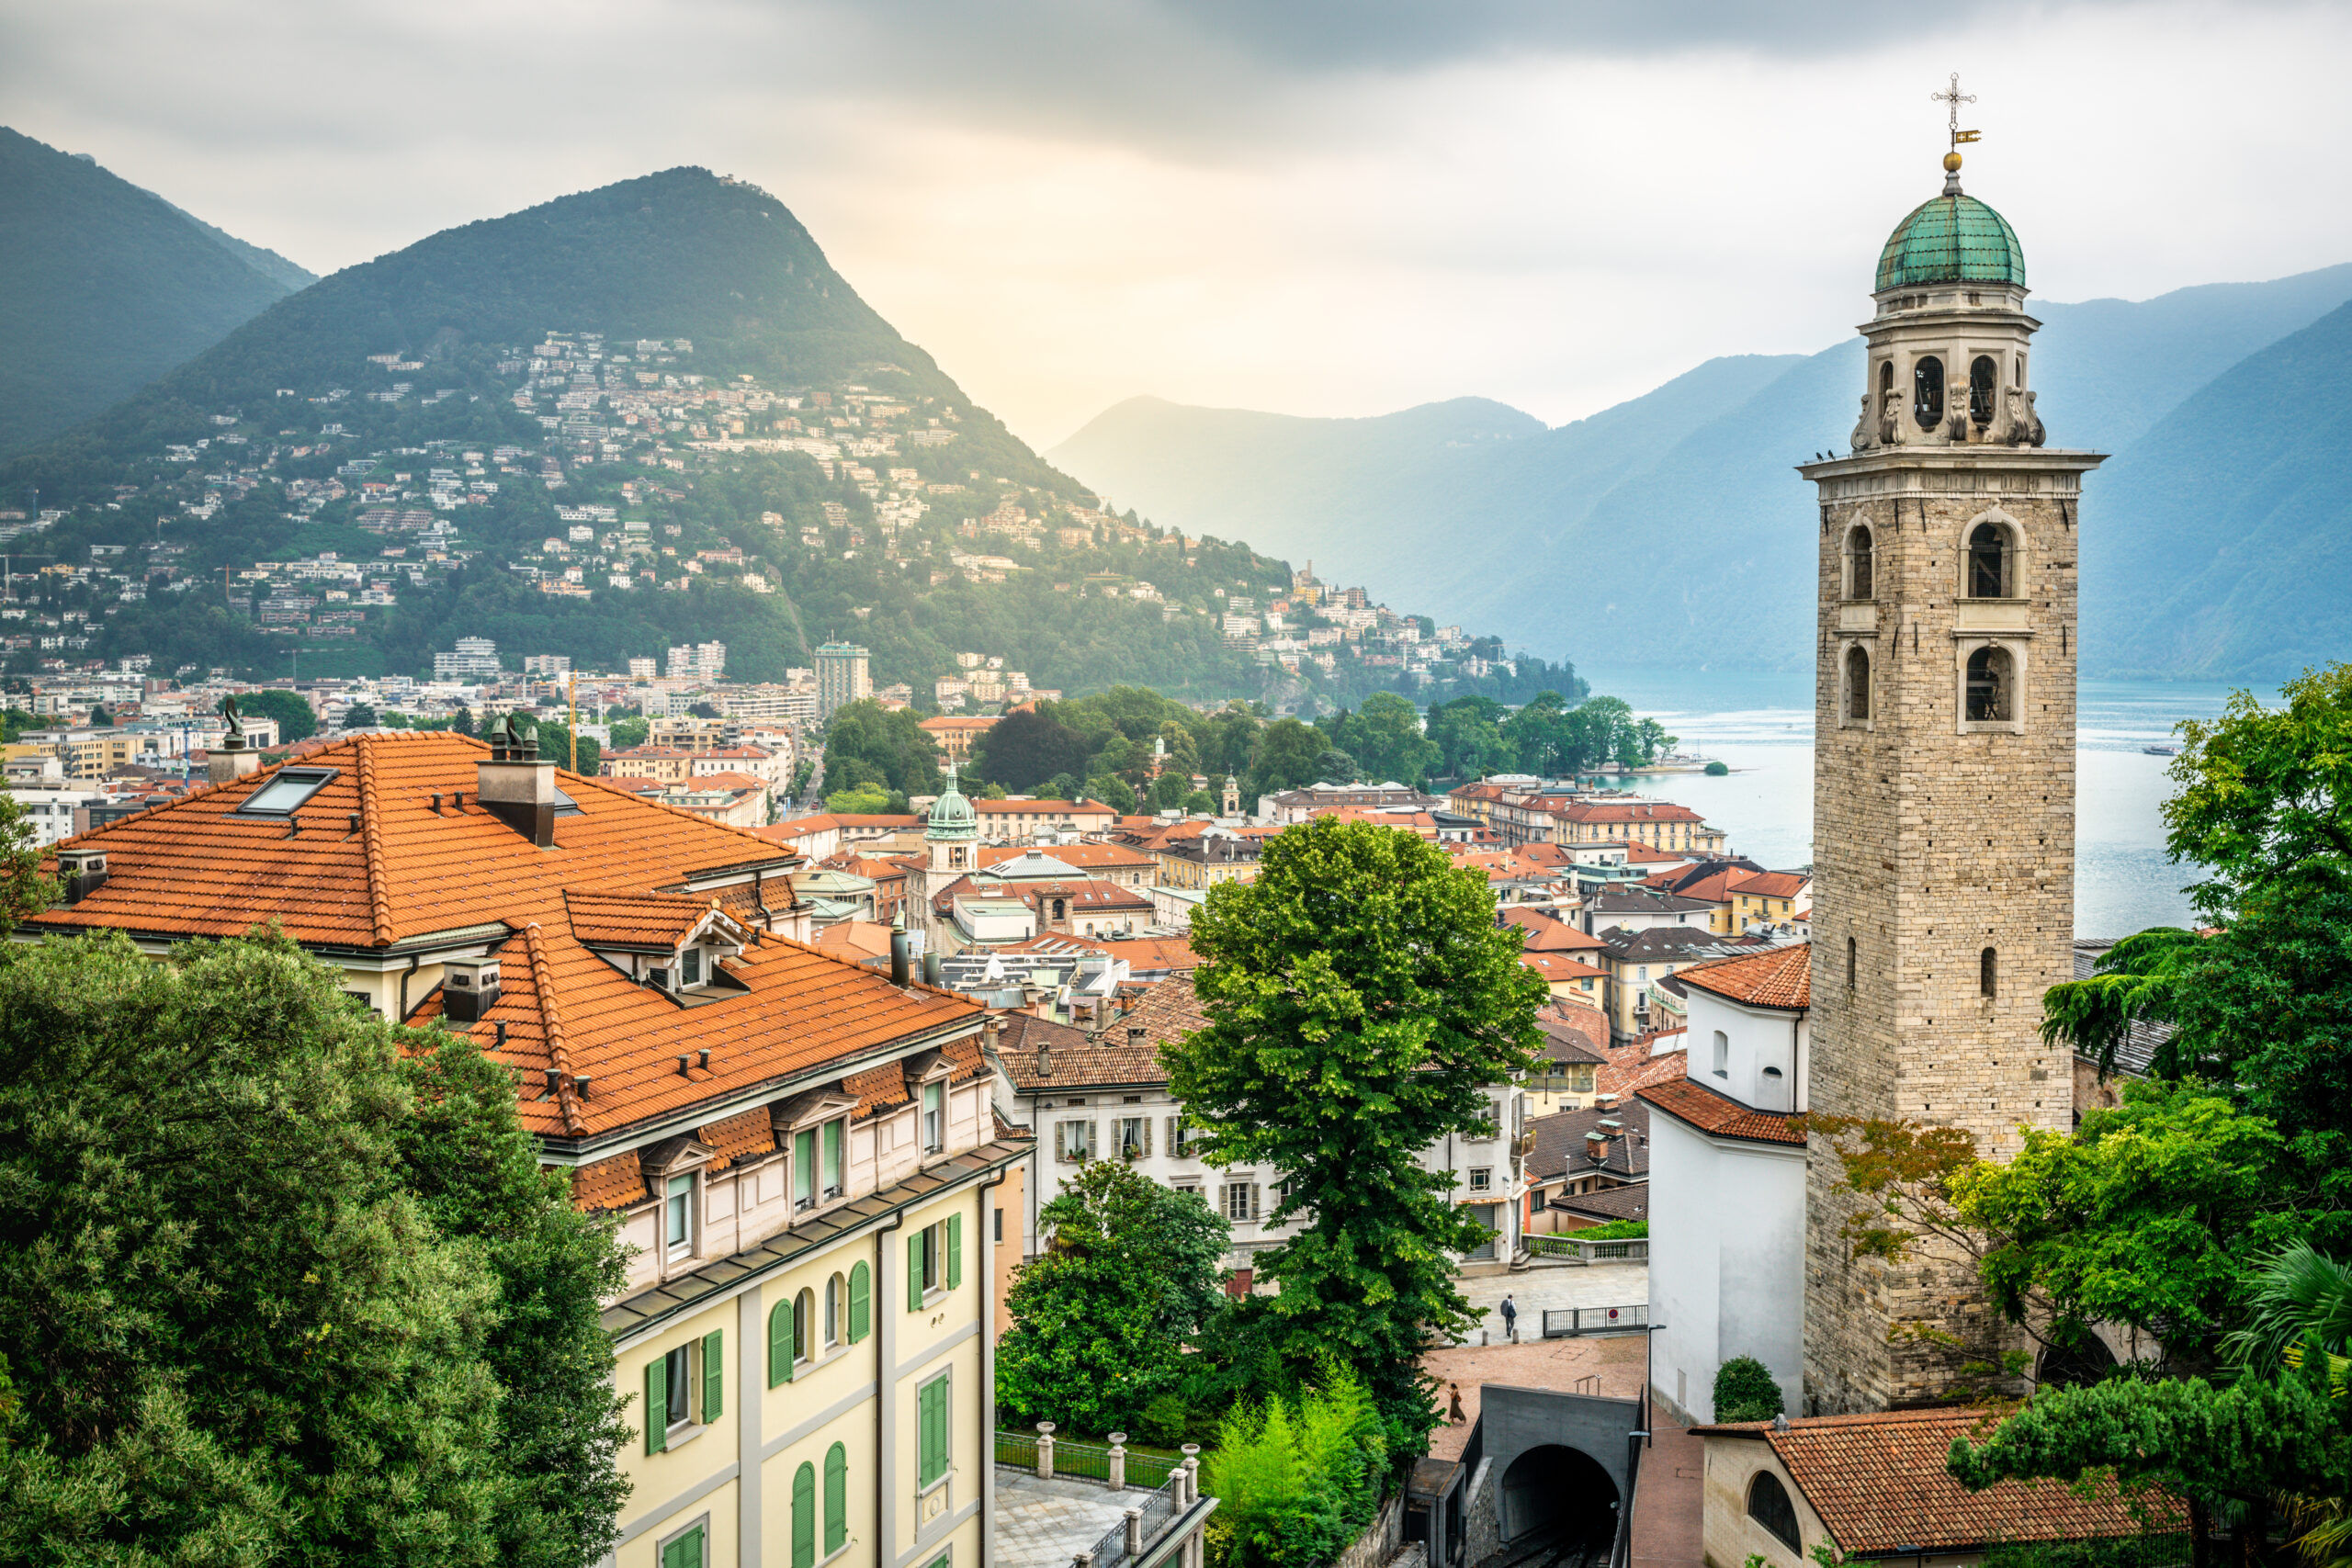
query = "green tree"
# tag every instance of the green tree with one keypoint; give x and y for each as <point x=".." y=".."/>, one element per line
<point x="23" y="889"/>
<point x="359" y="715"/>
<point x="1384" y="736"/>
<point x="1287" y="755"/>
<point x="295" y="719"/>
<point x="1358" y="998"/>
<point x="237" y="1334"/>
<point x="1113" y="792"/>
<point x="465" y="1154"/>
<point x="1746" y="1391"/>
<point x="892" y="746"/>
<point x="1102" y="1321"/>
<point x="1469" y="740"/>
<point x="629" y="733"/>
<point x="861" y="800"/>
<point x="1231" y="738"/>
<point x="1335" y="766"/>
<point x="1023" y="750"/>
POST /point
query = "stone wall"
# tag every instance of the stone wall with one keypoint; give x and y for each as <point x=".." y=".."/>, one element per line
<point x="1935" y="838"/>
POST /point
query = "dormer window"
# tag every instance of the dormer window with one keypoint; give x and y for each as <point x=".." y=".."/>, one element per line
<point x="690" y="968"/>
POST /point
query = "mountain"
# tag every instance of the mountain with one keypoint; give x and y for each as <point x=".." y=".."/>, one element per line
<point x="2231" y="542"/>
<point x="1669" y="530"/>
<point x="644" y="415"/>
<point x="104" y="287"/>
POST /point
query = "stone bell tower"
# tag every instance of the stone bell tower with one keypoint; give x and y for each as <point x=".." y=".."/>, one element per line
<point x="1943" y="813"/>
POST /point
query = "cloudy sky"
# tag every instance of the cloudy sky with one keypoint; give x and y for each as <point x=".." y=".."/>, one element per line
<point x="1307" y="206"/>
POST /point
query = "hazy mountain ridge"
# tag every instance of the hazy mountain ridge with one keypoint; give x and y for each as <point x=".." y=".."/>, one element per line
<point x="105" y="286"/>
<point x="1671" y="529"/>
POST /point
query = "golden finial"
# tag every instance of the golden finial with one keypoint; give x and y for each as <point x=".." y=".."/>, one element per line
<point x="1951" y="163"/>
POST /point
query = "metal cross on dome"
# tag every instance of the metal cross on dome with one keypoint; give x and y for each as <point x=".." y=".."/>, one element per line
<point x="1955" y="97"/>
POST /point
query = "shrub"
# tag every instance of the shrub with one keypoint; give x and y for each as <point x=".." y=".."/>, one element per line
<point x="1616" y="1230"/>
<point x="1718" y="769"/>
<point x="1745" y="1390"/>
<point x="1297" y="1480"/>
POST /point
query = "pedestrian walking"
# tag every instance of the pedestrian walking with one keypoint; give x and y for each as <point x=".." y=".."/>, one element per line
<point x="1453" y="1406"/>
<point x="1510" y="1319"/>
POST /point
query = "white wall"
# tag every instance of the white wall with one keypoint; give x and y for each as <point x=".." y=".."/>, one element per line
<point x="1726" y="1261"/>
<point x="1754" y="1039"/>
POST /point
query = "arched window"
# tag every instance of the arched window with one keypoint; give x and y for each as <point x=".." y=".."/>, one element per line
<point x="1850" y="969"/>
<point x="1858" y="685"/>
<point x="804" y="1308"/>
<point x="1984" y="390"/>
<point x="836" y="1499"/>
<point x="833" y="1310"/>
<point x="804" y="1517"/>
<point x="1988" y="562"/>
<point x="1723" y="1055"/>
<point x="1058" y="908"/>
<point x="1988" y="973"/>
<point x="1859" y="583"/>
<point x="1885" y="377"/>
<point x="1927" y="392"/>
<point x="780" y="1344"/>
<point x="861" y="1302"/>
<point x="1769" y="1504"/>
<point x="1991" y="695"/>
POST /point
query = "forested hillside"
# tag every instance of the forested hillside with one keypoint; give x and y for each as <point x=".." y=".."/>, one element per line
<point x="104" y="287"/>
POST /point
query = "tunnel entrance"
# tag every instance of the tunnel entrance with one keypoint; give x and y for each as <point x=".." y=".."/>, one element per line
<point x="1560" y="1495"/>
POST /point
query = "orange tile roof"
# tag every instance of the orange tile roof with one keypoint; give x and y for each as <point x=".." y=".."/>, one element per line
<point x="633" y="919"/>
<point x="1080" y="856"/>
<point x="1769" y="884"/>
<point x="1546" y="934"/>
<point x="373" y="863"/>
<point x="1048" y="808"/>
<point x="1144" y="953"/>
<point x="1559" y="967"/>
<point x="1704" y="1108"/>
<point x="1777" y="977"/>
<point x="1623" y="811"/>
<point x="1880" y="1484"/>
<point x="614" y="1183"/>
<point x="739" y="1136"/>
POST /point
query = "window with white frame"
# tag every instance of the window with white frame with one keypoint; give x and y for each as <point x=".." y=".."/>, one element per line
<point x="1482" y="1177"/>
<point x="1132" y="1137"/>
<point x="935" y="1117"/>
<point x="678" y="1217"/>
<point x="1240" y="1200"/>
<point x="1073" y="1142"/>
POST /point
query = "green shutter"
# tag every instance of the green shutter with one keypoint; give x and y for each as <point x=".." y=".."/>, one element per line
<point x="954" y="1250"/>
<point x="686" y="1551"/>
<point x="657" y="1404"/>
<point x="804" y="1517"/>
<point x="836" y="1499"/>
<point x="861" y="1303"/>
<point x="914" y="1272"/>
<point x="930" y="1421"/>
<point x="714" y="1375"/>
<point x="779" y="1344"/>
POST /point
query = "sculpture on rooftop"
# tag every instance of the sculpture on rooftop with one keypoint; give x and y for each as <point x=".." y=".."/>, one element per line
<point x="236" y="725"/>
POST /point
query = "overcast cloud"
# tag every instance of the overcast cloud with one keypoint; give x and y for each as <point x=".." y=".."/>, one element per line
<point x="1319" y="207"/>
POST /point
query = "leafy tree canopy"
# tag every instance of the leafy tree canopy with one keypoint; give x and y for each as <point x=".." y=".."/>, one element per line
<point x="1287" y="756"/>
<point x="1130" y="1279"/>
<point x="892" y="745"/>
<point x="295" y="719"/>
<point x="1358" y="998"/>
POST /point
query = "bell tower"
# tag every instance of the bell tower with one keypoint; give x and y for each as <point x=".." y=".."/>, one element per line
<point x="1943" y="813"/>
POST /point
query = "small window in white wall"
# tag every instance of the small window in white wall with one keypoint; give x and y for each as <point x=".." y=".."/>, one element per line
<point x="678" y="1216"/>
<point x="1723" y="1055"/>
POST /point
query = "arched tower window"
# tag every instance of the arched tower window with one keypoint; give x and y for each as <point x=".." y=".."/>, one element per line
<point x="1851" y="969"/>
<point x="1769" y="1504"/>
<point x="1927" y="392"/>
<point x="1859" y="580"/>
<point x="1988" y="562"/>
<point x="1992" y="686"/>
<point x="1858" y="685"/>
<point x="1988" y="973"/>
<point x="1984" y="390"/>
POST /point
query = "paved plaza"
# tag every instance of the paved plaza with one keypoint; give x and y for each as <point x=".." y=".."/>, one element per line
<point x="1043" y="1524"/>
<point x="1595" y="1285"/>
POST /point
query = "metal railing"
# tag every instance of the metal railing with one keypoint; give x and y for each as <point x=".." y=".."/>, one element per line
<point x="1563" y="1323"/>
<point x="1082" y="1461"/>
<point x="1131" y="1538"/>
<point x="1017" y="1449"/>
<point x="1087" y="1462"/>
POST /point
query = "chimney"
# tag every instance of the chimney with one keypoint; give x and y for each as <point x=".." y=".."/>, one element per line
<point x="1137" y="1033"/>
<point x="230" y="761"/>
<point x="517" y="785"/>
<point x="898" y="951"/>
<point x="1604" y="1102"/>
<point x="931" y="968"/>
<point x="468" y="989"/>
<point x="1596" y="1147"/>
<point x="82" y="873"/>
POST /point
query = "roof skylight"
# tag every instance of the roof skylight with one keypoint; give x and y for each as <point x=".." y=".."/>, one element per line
<point x="290" y="789"/>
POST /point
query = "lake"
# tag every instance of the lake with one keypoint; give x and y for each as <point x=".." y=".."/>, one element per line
<point x="1762" y="726"/>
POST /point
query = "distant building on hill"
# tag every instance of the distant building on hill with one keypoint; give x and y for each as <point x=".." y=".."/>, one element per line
<point x="841" y="677"/>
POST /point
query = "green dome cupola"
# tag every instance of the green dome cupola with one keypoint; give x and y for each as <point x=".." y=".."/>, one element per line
<point x="1952" y="239"/>
<point x="951" y="816"/>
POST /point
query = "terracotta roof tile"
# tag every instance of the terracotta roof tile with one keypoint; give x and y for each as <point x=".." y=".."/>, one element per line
<point x="1778" y="977"/>
<point x="738" y="1137"/>
<point x="1686" y="1100"/>
<point x="1879" y="1482"/>
<point x="614" y="1183"/>
<point x="633" y="919"/>
<point x="1127" y="1050"/>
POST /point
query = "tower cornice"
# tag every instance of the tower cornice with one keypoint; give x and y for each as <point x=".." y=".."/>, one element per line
<point x="1926" y="469"/>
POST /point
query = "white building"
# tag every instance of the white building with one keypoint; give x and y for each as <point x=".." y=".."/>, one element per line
<point x="1727" y="1182"/>
<point x="475" y="658"/>
<point x="1105" y="1096"/>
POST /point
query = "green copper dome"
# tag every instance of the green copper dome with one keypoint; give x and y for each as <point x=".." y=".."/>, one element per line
<point x="951" y="816"/>
<point x="1953" y="238"/>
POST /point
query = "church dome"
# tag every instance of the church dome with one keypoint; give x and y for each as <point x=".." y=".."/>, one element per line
<point x="951" y="815"/>
<point x="1953" y="239"/>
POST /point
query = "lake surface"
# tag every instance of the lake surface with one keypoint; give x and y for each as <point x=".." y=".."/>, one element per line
<point x="1761" y="725"/>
